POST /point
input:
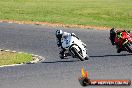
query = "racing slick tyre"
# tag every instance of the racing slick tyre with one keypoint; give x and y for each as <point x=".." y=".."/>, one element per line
<point x="77" y="53"/>
<point x="128" y="46"/>
<point x="86" y="58"/>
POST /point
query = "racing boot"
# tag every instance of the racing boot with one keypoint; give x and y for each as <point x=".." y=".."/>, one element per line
<point x="62" y="54"/>
<point x="119" y="50"/>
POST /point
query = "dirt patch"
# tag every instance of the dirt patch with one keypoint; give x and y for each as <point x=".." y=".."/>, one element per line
<point x="57" y="24"/>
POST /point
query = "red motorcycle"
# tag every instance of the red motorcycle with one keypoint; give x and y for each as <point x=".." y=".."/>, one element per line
<point x="122" y="39"/>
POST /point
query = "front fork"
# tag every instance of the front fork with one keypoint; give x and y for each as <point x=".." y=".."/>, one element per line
<point x="72" y="53"/>
<point x="125" y="42"/>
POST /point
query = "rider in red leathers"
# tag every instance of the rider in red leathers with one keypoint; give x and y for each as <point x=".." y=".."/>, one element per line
<point x="116" y="35"/>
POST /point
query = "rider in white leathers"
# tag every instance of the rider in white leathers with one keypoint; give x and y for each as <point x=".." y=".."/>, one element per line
<point x="60" y="35"/>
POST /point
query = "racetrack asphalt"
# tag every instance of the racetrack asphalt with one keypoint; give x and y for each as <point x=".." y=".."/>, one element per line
<point x="104" y="62"/>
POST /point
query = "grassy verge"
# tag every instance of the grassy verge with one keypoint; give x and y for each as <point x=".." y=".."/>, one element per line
<point x="108" y="13"/>
<point x="8" y="58"/>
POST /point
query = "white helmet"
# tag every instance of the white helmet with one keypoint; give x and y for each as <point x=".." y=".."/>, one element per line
<point x="59" y="32"/>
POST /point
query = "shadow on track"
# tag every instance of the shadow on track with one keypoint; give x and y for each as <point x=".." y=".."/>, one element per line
<point x="61" y="61"/>
<point x="111" y="55"/>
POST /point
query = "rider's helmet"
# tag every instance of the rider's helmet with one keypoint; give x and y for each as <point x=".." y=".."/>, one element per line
<point x="59" y="33"/>
<point x="113" y="31"/>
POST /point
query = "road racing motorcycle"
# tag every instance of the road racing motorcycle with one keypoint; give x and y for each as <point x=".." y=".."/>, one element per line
<point x="125" y="42"/>
<point x="75" y="47"/>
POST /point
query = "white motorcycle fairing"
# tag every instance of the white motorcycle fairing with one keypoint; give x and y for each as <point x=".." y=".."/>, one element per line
<point x="69" y="42"/>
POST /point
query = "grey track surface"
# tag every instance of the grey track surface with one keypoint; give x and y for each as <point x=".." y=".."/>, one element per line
<point x="104" y="62"/>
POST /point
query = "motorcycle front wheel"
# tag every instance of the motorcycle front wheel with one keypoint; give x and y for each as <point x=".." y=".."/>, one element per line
<point x="73" y="49"/>
<point x="128" y="46"/>
<point x="87" y="57"/>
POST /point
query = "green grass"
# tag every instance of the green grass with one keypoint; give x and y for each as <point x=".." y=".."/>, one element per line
<point x="8" y="58"/>
<point x="108" y="13"/>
